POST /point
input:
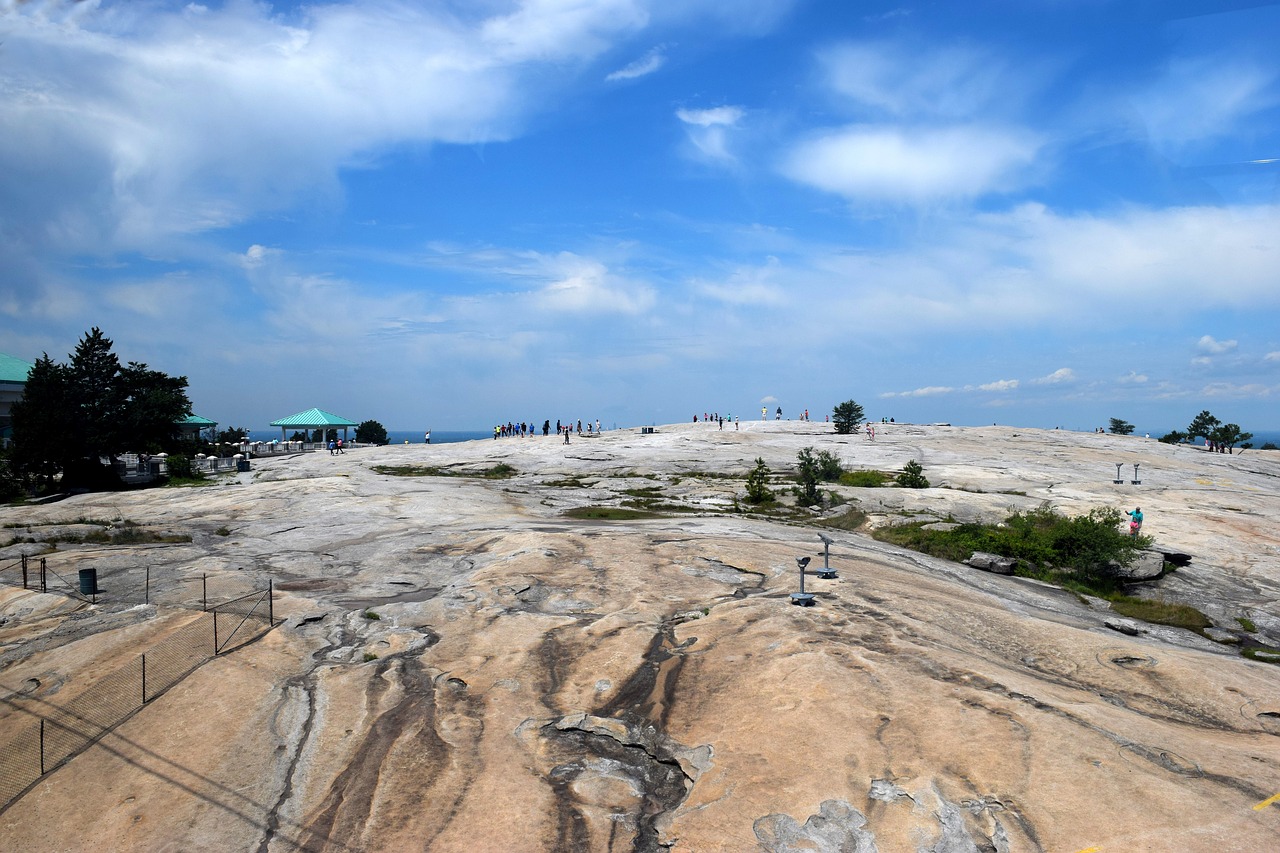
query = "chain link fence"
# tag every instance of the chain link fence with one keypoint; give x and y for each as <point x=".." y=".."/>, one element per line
<point x="39" y="736"/>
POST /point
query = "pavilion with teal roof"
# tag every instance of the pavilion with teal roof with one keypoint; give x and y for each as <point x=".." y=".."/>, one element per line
<point x="313" y="419"/>
<point x="13" y="381"/>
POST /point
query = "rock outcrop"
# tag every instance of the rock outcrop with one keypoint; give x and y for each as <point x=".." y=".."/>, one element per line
<point x="471" y="664"/>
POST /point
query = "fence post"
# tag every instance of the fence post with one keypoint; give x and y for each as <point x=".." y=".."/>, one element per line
<point x="204" y="592"/>
<point x="215" y="632"/>
<point x="44" y="582"/>
<point x="24" y="571"/>
<point x="144" y="678"/>
<point x="148" y="601"/>
<point x="42" y="746"/>
<point x="271" y="603"/>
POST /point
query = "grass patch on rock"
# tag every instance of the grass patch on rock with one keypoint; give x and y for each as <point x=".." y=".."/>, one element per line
<point x="1159" y="612"/>
<point x="850" y="519"/>
<point x="865" y="479"/>
<point x="501" y="471"/>
<point x="609" y="513"/>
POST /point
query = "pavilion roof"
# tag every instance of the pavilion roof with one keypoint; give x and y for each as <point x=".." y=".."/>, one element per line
<point x="196" y="421"/>
<point x="314" y="418"/>
<point x="14" y="369"/>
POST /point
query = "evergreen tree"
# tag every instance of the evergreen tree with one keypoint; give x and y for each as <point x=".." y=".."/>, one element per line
<point x="846" y="416"/>
<point x="371" y="432"/>
<point x="71" y="416"/>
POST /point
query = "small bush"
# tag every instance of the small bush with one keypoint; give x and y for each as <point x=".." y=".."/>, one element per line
<point x="912" y="476"/>
<point x="1247" y="624"/>
<point x="222" y="531"/>
<point x="368" y="656"/>
<point x="609" y="513"/>
<point x="829" y="467"/>
<point x="371" y="616"/>
<point x="181" y="468"/>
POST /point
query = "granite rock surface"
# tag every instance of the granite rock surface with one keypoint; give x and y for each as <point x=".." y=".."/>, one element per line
<point x="461" y="665"/>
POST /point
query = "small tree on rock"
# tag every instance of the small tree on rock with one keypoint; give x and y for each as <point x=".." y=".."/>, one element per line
<point x="371" y="432"/>
<point x="1120" y="427"/>
<point x="912" y="476"/>
<point x="807" y="472"/>
<point x="846" y="417"/>
<point x="758" y="491"/>
<point x="1202" y="425"/>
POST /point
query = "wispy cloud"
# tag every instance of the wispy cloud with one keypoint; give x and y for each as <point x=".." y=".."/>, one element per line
<point x="642" y="67"/>
<point x="930" y="391"/>
<point x="1058" y="377"/>
<point x="1000" y="385"/>
<point x="708" y="131"/>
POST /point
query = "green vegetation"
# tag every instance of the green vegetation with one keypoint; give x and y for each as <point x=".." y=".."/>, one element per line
<point x="1046" y="545"/>
<point x="1247" y="624"/>
<point x="371" y="616"/>
<point x="1119" y="427"/>
<point x="865" y="479"/>
<point x="371" y="432"/>
<point x="1261" y="654"/>
<point x="1225" y="436"/>
<point x="807" y="472"/>
<point x="846" y="416"/>
<point x="222" y="531"/>
<point x="1270" y="445"/>
<point x="912" y="476"/>
<point x="1173" y="437"/>
<point x="851" y="519"/>
<point x="1159" y="612"/>
<point x="609" y="513"/>
<point x="369" y="656"/>
<point x="758" y="491"/>
<point x="1080" y="553"/>
<point x="566" y="483"/>
<point x="121" y="532"/>
<point x="501" y="471"/>
<point x="73" y="415"/>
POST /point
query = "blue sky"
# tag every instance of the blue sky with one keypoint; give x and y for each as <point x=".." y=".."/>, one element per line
<point x="448" y="214"/>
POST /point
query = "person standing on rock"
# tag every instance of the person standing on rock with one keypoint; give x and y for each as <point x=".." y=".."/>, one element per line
<point x="1135" y="523"/>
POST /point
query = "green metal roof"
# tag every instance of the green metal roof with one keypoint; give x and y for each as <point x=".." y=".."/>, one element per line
<point x="14" y="369"/>
<point x="196" y="420"/>
<point x="313" y="418"/>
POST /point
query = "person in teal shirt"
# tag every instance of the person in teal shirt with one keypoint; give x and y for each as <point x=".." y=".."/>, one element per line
<point x="1135" y="523"/>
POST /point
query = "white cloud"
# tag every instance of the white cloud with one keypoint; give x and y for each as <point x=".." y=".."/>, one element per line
<point x="708" y="131"/>
<point x="1202" y="98"/>
<point x="1208" y="344"/>
<point x="642" y="67"/>
<point x="897" y="165"/>
<point x="1059" y="376"/>
<point x="930" y="391"/>
<point x="1133" y="378"/>
<point x="586" y="286"/>
<point x="1272" y="356"/>
<point x="727" y="116"/>
<point x="951" y="82"/>
<point x="1000" y="385"/>
<point x="158" y="122"/>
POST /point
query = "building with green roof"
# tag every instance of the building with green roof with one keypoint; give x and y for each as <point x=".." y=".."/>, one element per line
<point x="192" y="426"/>
<point x="13" y="381"/>
<point x="313" y="419"/>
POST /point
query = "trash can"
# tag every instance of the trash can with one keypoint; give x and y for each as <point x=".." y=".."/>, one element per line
<point x="242" y="465"/>
<point x="88" y="581"/>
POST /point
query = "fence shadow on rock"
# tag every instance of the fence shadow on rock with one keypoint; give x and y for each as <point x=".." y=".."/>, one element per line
<point x="40" y="736"/>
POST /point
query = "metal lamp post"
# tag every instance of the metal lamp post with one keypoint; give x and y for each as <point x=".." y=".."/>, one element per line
<point x="1119" y="479"/>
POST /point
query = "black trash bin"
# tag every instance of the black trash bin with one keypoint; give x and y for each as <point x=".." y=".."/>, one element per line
<point x="88" y="581"/>
<point x="242" y="465"/>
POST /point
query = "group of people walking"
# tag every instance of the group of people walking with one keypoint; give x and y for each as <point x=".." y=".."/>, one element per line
<point x="525" y="429"/>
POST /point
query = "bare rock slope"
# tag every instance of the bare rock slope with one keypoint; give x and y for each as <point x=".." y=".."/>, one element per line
<point x="462" y="666"/>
